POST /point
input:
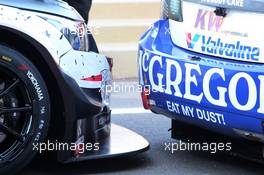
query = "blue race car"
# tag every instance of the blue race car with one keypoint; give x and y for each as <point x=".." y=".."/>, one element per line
<point x="201" y="65"/>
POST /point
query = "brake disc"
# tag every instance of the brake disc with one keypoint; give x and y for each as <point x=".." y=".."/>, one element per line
<point x="12" y="118"/>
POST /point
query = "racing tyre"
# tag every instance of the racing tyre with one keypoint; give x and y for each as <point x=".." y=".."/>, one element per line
<point x="24" y="110"/>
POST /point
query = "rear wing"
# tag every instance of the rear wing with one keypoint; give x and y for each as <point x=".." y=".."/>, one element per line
<point x="246" y="5"/>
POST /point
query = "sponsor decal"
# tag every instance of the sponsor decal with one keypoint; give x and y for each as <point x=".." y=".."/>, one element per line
<point x="36" y="85"/>
<point x="191" y="40"/>
<point x="193" y="112"/>
<point x="231" y="3"/>
<point x="240" y="91"/>
<point x="217" y="46"/>
<point x="209" y="21"/>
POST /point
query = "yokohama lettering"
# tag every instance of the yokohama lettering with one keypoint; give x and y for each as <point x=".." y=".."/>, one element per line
<point x="34" y="81"/>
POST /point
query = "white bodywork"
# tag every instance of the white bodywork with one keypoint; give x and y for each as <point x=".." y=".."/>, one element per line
<point x="240" y="31"/>
<point x="76" y="64"/>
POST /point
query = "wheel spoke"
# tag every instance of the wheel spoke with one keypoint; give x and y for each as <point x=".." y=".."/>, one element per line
<point x="11" y="132"/>
<point x="12" y="110"/>
<point x="10" y="88"/>
<point x="2" y="86"/>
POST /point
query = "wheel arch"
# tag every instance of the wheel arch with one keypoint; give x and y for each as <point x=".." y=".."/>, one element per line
<point x="44" y="62"/>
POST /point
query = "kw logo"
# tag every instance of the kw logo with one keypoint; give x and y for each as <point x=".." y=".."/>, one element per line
<point x="207" y="20"/>
<point x="191" y="41"/>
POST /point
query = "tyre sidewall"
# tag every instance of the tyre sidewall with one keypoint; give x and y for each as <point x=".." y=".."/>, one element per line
<point x="38" y="93"/>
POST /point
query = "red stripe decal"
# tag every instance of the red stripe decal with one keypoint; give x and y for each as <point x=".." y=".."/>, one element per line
<point x="94" y="78"/>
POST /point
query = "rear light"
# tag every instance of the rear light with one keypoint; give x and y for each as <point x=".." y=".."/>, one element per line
<point x="171" y="9"/>
<point x="145" y="98"/>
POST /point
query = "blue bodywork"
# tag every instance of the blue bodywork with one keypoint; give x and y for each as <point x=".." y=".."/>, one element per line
<point x="156" y="50"/>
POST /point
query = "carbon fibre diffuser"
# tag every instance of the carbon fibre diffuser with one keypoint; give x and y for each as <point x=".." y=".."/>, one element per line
<point x="122" y="142"/>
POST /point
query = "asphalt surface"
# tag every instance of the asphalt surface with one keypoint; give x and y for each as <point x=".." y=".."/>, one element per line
<point x="156" y="160"/>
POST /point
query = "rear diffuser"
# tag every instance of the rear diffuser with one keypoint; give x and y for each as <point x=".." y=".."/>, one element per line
<point x="122" y="142"/>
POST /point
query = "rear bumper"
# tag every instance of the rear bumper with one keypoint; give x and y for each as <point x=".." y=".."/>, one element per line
<point x="90" y="130"/>
<point x="222" y="95"/>
<point x="90" y="120"/>
<point x="88" y="74"/>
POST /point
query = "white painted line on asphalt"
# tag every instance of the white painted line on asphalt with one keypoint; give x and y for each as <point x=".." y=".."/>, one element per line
<point x="120" y="111"/>
<point x="124" y="1"/>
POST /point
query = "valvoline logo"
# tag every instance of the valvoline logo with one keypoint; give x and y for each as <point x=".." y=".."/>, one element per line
<point x="218" y="47"/>
<point x="191" y="41"/>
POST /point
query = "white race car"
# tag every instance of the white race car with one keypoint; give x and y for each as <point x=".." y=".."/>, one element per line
<point x="53" y="88"/>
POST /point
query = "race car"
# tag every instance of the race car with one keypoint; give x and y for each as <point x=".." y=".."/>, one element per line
<point x="53" y="88"/>
<point x="201" y="65"/>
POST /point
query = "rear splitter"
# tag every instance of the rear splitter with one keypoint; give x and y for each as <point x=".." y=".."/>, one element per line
<point x="122" y="142"/>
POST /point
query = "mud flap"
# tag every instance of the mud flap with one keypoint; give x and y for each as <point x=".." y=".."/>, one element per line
<point x="122" y="142"/>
